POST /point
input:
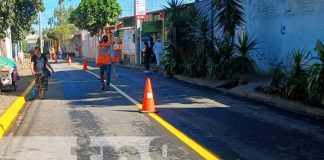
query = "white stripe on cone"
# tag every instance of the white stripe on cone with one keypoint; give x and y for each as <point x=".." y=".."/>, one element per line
<point x="149" y="95"/>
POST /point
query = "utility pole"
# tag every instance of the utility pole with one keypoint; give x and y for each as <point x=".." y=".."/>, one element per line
<point x="40" y="31"/>
<point x="138" y="41"/>
<point x="139" y="15"/>
<point x="137" y="37"/>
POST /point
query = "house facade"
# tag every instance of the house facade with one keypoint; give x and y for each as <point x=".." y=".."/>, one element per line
<point x="153" y="28"/>
<point x="31" y="42"/>
<point x="124" y="36"/>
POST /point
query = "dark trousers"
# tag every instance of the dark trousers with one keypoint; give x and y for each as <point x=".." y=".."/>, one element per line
<point x="105" y="69"/>
<point x="147" y="63"/>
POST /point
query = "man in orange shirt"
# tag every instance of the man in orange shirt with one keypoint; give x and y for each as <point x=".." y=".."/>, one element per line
<point x="104" y="61"/>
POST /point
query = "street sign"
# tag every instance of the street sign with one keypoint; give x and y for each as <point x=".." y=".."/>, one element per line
<point x="140" y="9"/>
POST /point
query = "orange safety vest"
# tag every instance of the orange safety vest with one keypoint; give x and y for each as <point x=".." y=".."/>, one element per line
<point x="116" y="59"/>
<point x="104" y="55"/>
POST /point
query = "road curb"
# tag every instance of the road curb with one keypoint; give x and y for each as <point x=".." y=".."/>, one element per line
<point x="10" y="115"/>
<point x="288" y="105"/>
<point x="296" y="107"/>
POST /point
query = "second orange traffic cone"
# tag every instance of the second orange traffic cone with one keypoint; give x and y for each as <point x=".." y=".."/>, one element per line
<point x="69" y="60"/>
<point x="85" y="66"/>
<point x="148" y="105"/>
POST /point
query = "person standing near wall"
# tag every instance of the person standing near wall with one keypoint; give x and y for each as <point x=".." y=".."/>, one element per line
<point x="158" y="50"/>
<point x="147" y="51"/>
<point x="104" y="61"/>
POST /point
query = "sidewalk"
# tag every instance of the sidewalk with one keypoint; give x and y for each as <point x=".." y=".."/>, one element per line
<point x="248" y="91"/>
<point x="7" y="97"/>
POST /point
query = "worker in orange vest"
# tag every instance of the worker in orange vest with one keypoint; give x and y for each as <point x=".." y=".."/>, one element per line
<point x="104" y="61"/>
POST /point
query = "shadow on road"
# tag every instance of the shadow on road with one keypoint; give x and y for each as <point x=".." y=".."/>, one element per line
<point x="232" y="127"/>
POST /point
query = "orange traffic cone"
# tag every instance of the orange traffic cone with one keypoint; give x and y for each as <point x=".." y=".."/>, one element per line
<point x="148" y="100"/>
<point x="69" y="60"/>
<point x="85" y="66"/>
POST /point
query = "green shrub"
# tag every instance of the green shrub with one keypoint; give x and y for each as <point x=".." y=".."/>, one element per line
<point x="296" y="85"/>
<point x="169" y="61"/>
<point x="195" y="65"/>
<point x="212" y="70"/>
<point x="316" y="76"/>
<point x="225" y="50"/>
<point x="277" y="76"/>
<point x="27" y="55"/>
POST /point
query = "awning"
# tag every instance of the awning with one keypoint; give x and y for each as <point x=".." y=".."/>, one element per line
<point x="152" y="27"/>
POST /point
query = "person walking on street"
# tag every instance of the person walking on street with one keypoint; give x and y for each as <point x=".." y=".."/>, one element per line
<point x="158" y="50"/>
<point x="147" y="55"/>
<point x="39" y="64"/>
<point x="104" y="61"/>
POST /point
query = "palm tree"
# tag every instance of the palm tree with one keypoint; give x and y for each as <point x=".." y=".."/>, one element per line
<point x="177" y="25"/>
<point x="229" y="15"/>
<point x="199" y="34"/>
<point x="173" y="11"/>
<point x="199" y="28"/>
<point x="244" y="63"/>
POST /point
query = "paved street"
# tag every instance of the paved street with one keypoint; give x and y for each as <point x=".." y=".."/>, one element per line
<point x="77" y="120"/>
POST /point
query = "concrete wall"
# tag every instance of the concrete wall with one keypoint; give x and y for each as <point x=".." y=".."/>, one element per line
<point x="284" y="25"/>
<point x="281" y="26"/>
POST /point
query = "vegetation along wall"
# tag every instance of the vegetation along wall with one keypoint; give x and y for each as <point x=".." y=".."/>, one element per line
<point x="282" y="26"/>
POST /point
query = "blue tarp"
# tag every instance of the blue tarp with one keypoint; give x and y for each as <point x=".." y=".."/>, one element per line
<point x="7" y="63"/>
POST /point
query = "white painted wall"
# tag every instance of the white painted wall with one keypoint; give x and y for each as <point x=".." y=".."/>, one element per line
<point x="8" y="43"/>
<point x="89" y="45"/>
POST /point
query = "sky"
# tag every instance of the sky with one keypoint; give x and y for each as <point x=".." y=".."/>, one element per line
<point x="126" y="5"/>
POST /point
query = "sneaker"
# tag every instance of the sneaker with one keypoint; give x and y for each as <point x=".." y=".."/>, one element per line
<point x="102" y="88"/>
<point x="41" y="96"/>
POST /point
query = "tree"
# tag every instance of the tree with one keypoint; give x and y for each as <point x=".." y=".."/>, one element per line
<point x="38" y="43"/>
<point x="19" y="16"/>
<point x="174" y="20"/>
<point x="62" y="33"/>
<point x="229" y="15"/>
<point x="24" y="45"/>
<point x="93" y="15"/>
<point x="61" y="16"/>
<point x="6" y="14"/>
